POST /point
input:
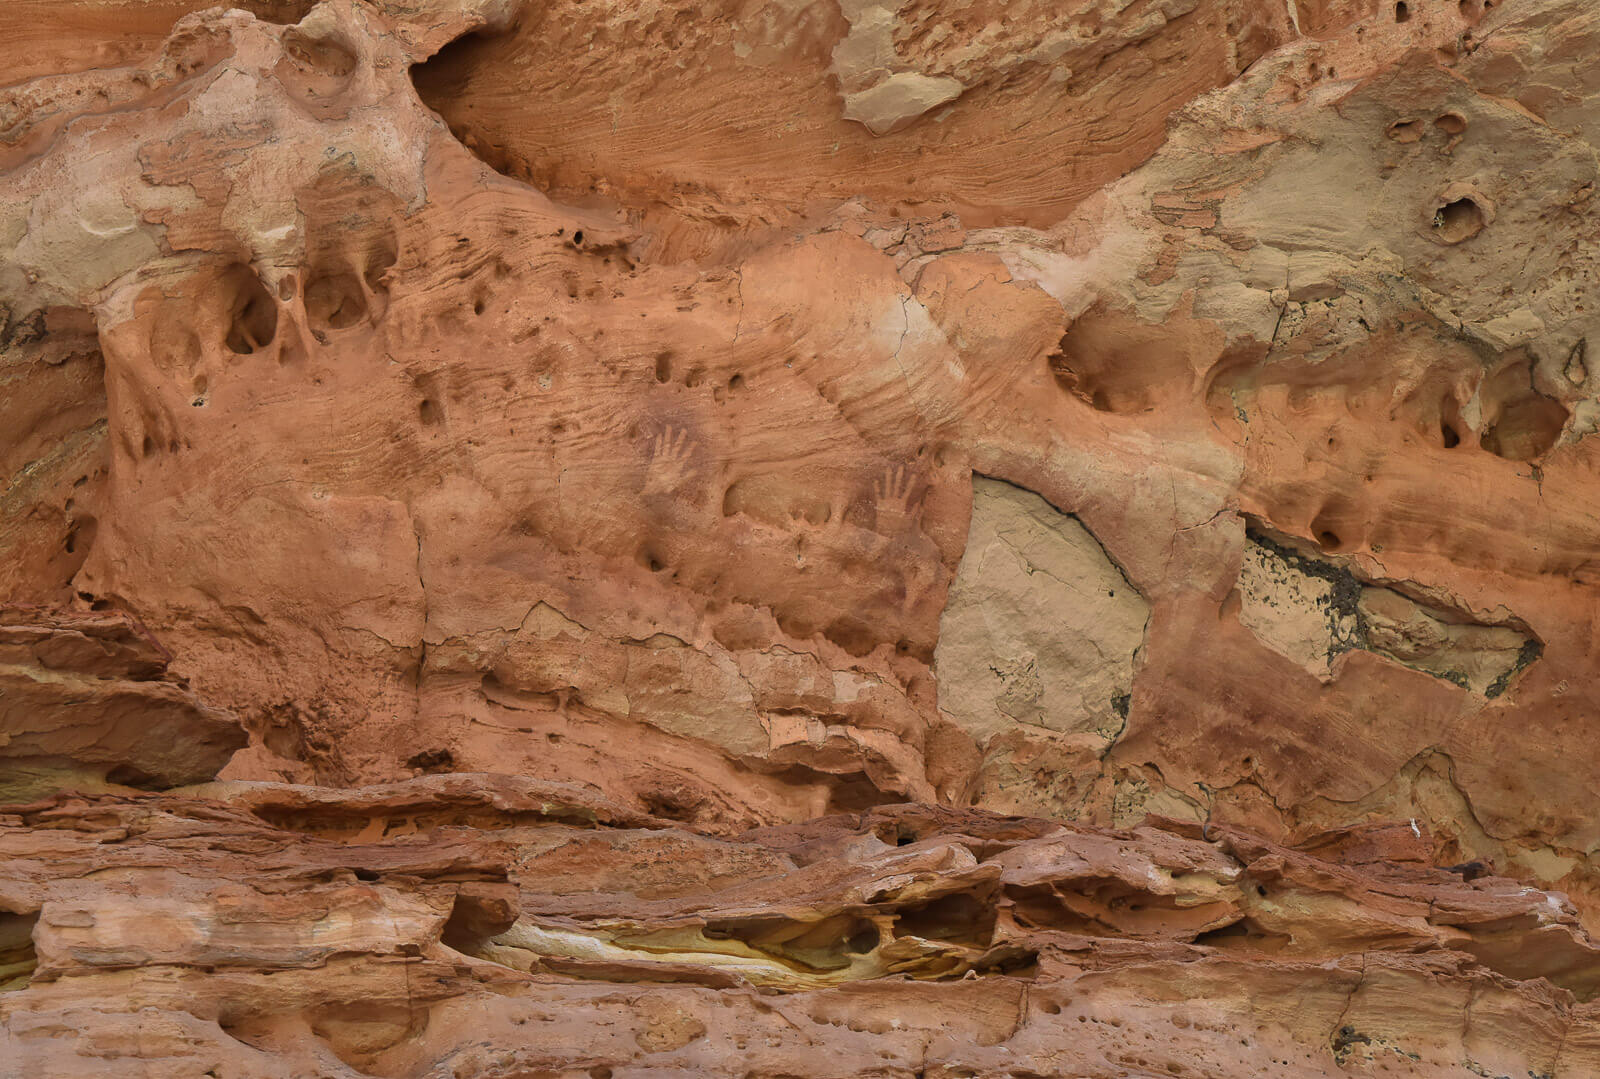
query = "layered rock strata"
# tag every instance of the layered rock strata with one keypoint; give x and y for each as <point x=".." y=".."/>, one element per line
<point x="490" y="925"/>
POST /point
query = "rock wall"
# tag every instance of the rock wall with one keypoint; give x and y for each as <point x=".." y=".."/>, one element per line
<point x="772" y="538"/>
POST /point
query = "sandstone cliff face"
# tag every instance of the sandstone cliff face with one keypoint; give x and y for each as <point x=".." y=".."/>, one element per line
<point x="799" y="539"/>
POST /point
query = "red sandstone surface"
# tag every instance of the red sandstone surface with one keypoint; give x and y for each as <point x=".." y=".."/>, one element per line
<point x="899" y="538"/>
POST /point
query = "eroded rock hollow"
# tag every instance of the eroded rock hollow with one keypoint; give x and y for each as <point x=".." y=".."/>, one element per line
<point x="899" y="538"/>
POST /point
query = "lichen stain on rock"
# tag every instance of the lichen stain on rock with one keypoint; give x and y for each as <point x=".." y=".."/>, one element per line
<point x="1313" y="610"/>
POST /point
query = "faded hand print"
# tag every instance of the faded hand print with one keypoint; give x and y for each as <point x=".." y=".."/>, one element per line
<point x="671" y="462"/>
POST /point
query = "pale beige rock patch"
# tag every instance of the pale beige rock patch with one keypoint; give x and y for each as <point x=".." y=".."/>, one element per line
<point x="1041" y="628"/>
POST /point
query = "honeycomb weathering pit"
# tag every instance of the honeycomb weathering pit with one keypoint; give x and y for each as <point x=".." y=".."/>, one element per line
<point x="900" y="540"/>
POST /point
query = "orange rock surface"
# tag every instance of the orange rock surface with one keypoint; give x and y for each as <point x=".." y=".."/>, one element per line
<point x="634" y="537"/>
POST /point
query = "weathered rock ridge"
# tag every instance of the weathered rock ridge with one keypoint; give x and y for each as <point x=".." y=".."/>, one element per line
<point x="878" y="538"/>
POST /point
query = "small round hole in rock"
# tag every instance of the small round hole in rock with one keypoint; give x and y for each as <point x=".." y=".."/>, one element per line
<point x="1405" y="130"/>
<point x="126" y="775"/>
<point x="862" y="940"/>
<point x="1459" y="220"/>
<point x="1402" y="11"/>
<point x="1451" y="123"/>
<point x="432" y="760"/>
<point x="672" y="805"/>
<point x="428" y="412"/>
<point x="335" y="301"/>
<point x="254" y="314"/>
<point x="1449" y="436"/>
<point x="1526" y="429"/>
